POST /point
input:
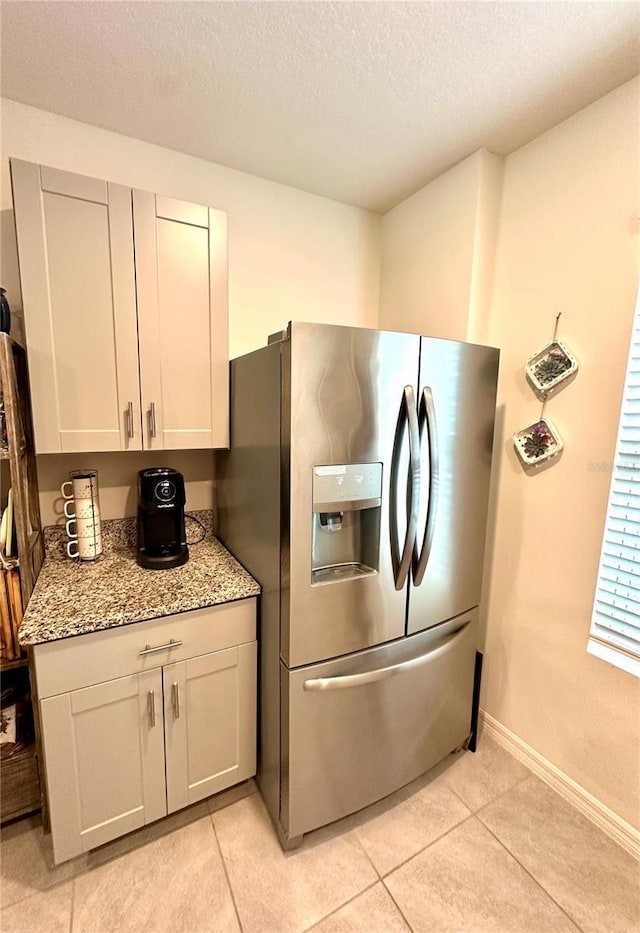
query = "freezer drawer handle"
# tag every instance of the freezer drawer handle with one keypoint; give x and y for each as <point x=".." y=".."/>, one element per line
<point x="407" y="419"/>
<point x="372" y="677"/>
<point x="427" y="417"/>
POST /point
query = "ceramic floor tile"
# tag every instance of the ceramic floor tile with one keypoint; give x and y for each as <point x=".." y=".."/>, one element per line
<point x="47" y="912"/>
<point x="373" y="911"/>
<point x="479" y="777"/>
<point x="394" y="829"/>
<point x="468" y="882"/>
<point x="276" y="891"/>
<point x="176" y="883"/>
<point x="27" y="865"/>
<point x="585" y="871"/>
<point x="146" y="834"/>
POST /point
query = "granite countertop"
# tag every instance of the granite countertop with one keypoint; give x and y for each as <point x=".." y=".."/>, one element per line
<point x="74" y="597"/>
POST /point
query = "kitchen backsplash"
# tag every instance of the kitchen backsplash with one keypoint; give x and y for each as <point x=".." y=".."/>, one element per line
<point x="117" y="478"/>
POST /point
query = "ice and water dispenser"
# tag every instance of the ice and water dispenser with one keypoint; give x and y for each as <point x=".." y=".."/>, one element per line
<point x="346" y="521"/>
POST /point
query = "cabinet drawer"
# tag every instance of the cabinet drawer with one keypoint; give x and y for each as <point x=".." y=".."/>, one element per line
<point x="73" y="663"/>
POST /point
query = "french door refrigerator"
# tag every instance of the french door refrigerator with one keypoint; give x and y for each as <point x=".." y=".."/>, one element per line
<point x="356" y="492"/>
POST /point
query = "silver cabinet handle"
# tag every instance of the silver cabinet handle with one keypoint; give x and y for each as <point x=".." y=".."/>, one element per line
<point x="382" y="673"/>
<point x="170" y="644"/>
<point x="175" y="697"/>
<point x="151" y="708"/>
<point x="427" y="418"/>
<point x="130" y="428"/>
<point x="152" y="419"/>
<point x="407" y="421"/>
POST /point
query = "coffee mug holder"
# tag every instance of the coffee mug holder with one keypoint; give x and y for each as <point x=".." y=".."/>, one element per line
<point x="82" y="513"/>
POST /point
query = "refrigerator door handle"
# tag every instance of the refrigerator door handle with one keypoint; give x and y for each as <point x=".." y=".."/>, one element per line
<point x="442" y="646"/>
<point x="427" y="417"/>
<point x="407" y="420"/>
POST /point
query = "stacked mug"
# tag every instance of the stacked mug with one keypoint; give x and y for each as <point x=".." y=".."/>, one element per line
<point x="82" y="510"/>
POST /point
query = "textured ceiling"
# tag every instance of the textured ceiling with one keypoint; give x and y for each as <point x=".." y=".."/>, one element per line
<point x="361" y="102"/>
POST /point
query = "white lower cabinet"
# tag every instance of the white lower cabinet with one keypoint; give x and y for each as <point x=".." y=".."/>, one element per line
<point x="105" y="761"/>
<point x="123" y="753"/>
<point x="209" y="723"/>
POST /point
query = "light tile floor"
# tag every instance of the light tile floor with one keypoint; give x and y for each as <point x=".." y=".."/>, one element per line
<point x="478" y="844"/>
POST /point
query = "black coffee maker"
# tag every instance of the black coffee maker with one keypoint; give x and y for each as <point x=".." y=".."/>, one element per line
<point x="162" y="541"/>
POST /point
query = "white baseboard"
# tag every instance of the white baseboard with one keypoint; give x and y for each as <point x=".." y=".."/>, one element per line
<point x="608" y="821"/>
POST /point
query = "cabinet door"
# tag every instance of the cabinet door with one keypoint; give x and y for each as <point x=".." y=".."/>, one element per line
<point x="75" y="243"/>
<point x="181" y="281"/>
<point x="104" y="753"/>
<point x="210" y="723"/>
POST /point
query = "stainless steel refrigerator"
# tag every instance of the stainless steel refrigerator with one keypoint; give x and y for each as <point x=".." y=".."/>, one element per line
<point x="356" y="492"/>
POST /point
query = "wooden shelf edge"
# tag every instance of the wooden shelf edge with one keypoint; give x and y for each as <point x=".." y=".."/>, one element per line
<point x="6" y="665"/>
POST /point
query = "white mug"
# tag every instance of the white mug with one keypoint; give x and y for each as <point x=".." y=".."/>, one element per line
<point x="81" y="508"/>
<point x="86" y="541"/>
<point x="84" y="548"/>
<point x="82" y="485"/>
<point x="85" y="528"/>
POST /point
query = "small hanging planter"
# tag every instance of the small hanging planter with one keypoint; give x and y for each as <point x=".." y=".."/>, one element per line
<point x="537" y="444"/>
<point x="548" y="370"/>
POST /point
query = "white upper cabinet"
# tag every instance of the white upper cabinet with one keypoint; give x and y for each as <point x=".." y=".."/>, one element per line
<point x="181" y="270"/>
<point x="125" y="305"/>
<point x="75" y="243"/>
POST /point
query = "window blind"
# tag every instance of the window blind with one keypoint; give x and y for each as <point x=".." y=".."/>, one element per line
<point x="615" y="623"/>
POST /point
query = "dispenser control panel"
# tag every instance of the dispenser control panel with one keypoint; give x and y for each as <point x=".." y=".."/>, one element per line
<point x="347" y="486"/>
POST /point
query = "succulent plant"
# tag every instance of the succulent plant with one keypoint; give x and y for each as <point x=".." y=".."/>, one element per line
<point x="537" y="443"/>
<point x="554" y="364"/>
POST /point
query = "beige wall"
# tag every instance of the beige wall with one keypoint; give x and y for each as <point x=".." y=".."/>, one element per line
<point x="292" y="255"/>
<point x="568" y="241"/>
<point x="437" y="253"/>
<point x="490" y="169"/>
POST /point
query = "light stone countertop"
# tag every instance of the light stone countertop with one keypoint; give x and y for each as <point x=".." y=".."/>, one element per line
<point x="74" y="597"/>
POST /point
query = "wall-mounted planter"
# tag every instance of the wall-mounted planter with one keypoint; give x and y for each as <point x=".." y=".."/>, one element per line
<point x="537" y="444"/>
<point x="550" y="369"/>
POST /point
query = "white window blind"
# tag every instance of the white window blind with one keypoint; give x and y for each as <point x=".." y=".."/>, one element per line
<point x="615" y="624"/>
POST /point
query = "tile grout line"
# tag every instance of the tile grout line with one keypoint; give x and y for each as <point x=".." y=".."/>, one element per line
<point x="503" y="792"/>
<point x="456" y="794"/>
<point x="226" y="873"/>
<point x="367" y="856"/>
<point x="398" y="907"/>
<point x="428" y="846"/>
<point x="34" y="893"/>
<point x="41" y="892"/>
<point x="340" y="906"/>
<point x="73" y="903"/>
<point x="498" y="796"/>
<point x="354" y="834"/>
<point x="533" y="878"/>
